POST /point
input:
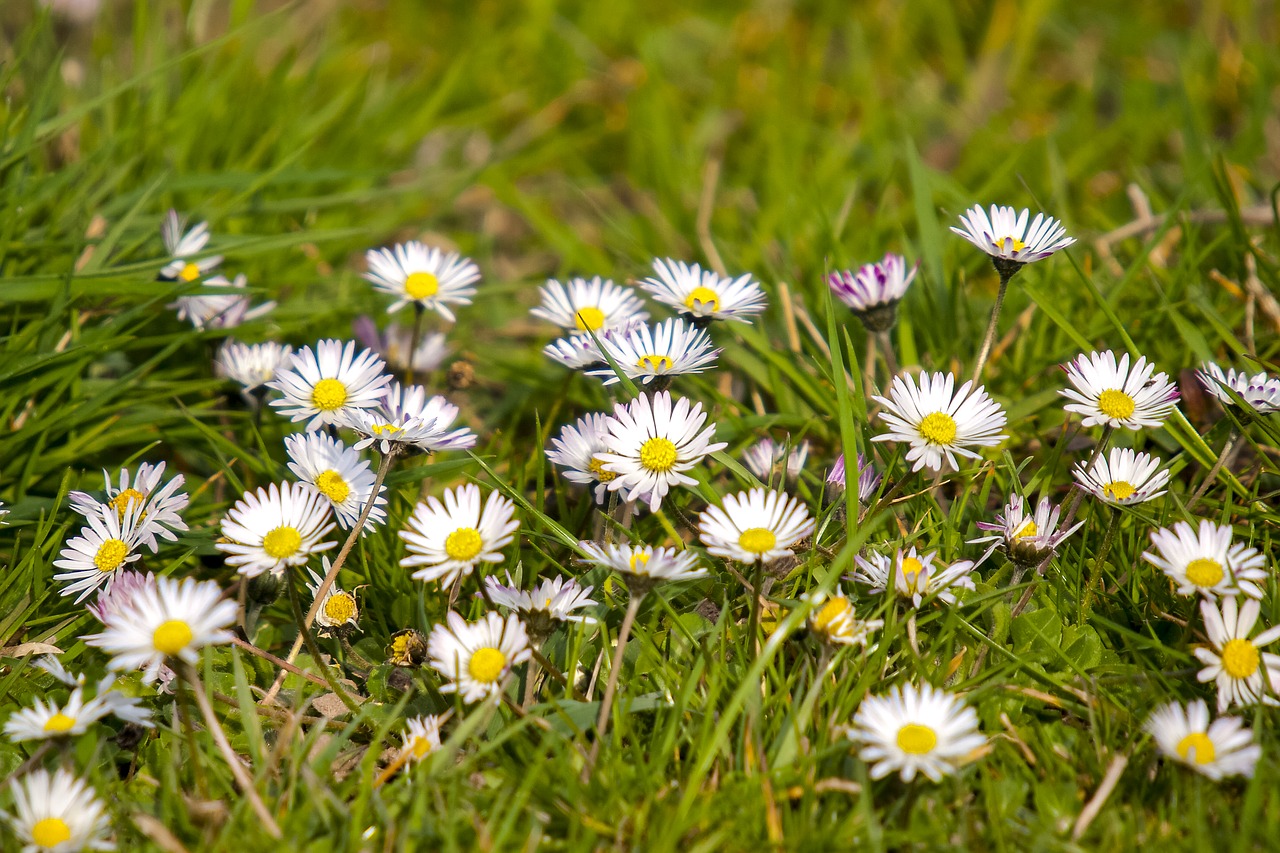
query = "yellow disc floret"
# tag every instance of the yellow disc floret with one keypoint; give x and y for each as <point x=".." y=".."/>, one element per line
<point x="111" y="554"/>
<point x="421" y="285"/>
<point x="1196" y="747"/>
<point x="589" y="319"/>
<point x="703" y="297"/>
<point x="1204" y="572"/>
<point x="1018" y="245"/>
<point x="1114" y="403"/>
<point x="938" y="428"/>
<point x="463" y="544"/>
<point x="596" y="466"/>
<point x="658" y="454"/>
<point x="329" y="394"/>
<point x="282" y="542"/>
<point x="50" y="832"/>
<point x="172" y="637"/>
<point x="340" y="608"/>
<point x="1240" y="658"/>
<point x="915" y="739"/>
<point x="757" y="540"/>
<point x="128" y="496"/>
<point x="190" y="272"/>
<point x="655" y="363"/>
<point x="332" y="486"/>
<point x="834" y="609"/>
<point x="486" y="665"/>
<point x="1118" y="490"/>
<point x="59" y="722"/>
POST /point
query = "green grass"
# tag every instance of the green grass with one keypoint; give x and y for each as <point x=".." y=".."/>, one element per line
<point x="550" y="139"/>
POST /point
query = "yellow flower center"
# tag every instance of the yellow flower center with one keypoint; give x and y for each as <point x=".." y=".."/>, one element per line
<point x="596" y="466"/>
<point x="830" y="612"/>
<point x="341" y="607"/>
<point x="589" y="319"/>
<point x="282" y="543"/>
<point x="704" y="296"/>
<point x="915" y="739"/>
<point x="655" y="363"/>
<point x="463" y="544"/>
<point x="639" y="560"/>
<point x="50" y="832"/>
<point x="190" y="272"/>
<point x="757" y="540"/>
<point x="1204" y="572"/>
<point x="486" y="665"/>
<point x="938" y="428"/>
<point x="658" y="454"/>
<point x="1196" y="747"/>
<point x="59" y="722"/>
<point x="388" y="429"/>
<point x="1114" y="403"/>
<point x="329" y="394"/>
<point x="1028" y="528"/>
<point x="1240" y="658"/>
<point x="121" y="501"/>
<point x="911" y="568"/>
<point x="1018" y="245"/>
<point x="172" y="637"/>
<point x="332" y="486"/>
<point x="421" y="746"/>
<point x="111" y="554"/>
<point x="421" y="285"/>
<point x="1118" y="490"/>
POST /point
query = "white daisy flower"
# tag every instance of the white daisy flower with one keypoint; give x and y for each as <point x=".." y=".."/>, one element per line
<point x="1206" y="562"/>
<point x="644" y="564"/>
<point x="553" y="600"/>
<point x="108" y="543"/>
<point x="834" y="621"/>
<point x="394" y="342"/>
<point x="702" y="294"/>
<point x="339" y="609"/>
<point x="1108" y="393"/>
<point x="651" y="443"/>
<point x="58" y="813"/>
<point x="647" y="353"/>
<point x="1259" y="392"/>
<point x="1026" y="538"/>
<point x="427" y="278"/>
<point x="767" y="455"/>
<point x="161" y="506"/>
<point x="251" y="366"/>
<point x="1244" y="675"/>
<point x="589" y="306"/>
<point x="476" y="657"/>
<point x="320" y="385"/>
<point x="1223" y="748"/>
<point x="759" y="526"/>
<point x="172" y="619"/>
<point x="449" y="539"/>
<point x="50" y="720"/>
<point x="340" y="474"/>
<point x="915" y="730"/>
<point x="407" y="418"/>
<point x="275" y="527"/>
<point x="1006" y="238"/>
<point x="182" y="246"/>
<point x="117" y="599"/>
<point x="914" y="576"/>
<point x="577" y="450"/>
<point x="222" y="309"/>
<point x="1123" y="477"/>
<point x="868" y="477"/>
<point x="939" y="422"/>
<point x="422" y="735"/>
<point x="874" y="291"/>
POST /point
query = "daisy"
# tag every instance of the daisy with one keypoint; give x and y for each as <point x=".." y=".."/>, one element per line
<point x="108" y="543"/>
<point x="422" y="735"/>
<point x="644" y="565"/>
<point x="57" y="813"/>
<point x="868" y="477"/>
<point x="1026" y="538"/>
<point x="1108" y="393"/>
<point x="339" y="610"/>
<point x="937" y="423"/>
<point x="758" y="526"/>
<point x="449" y="539"/>
<point x="651" y="443"/>
<point x="251" y="366"/>
<point x="588" y="306"/>
<point x="702" y="294"/>
<point x="182" y="246"/>
<point x="1244" y="675"/>
<point x="553" y="600"/>
<point x="275" y="527"/>
<point x="340" y="474"/>
<point x="127" y="708"/>
<point x="1223" y="748"/>
<point x="1207" y="562"/>
<point x="915" y="730"/>
<point x="834" y="621"/>
<point x="321" y="385"/>
<point x="49" y="720"/>
<point x="171" y="620"/>
<point x="660" y="352"/>
<point x="394" y="342"/>
<point x="1123" y="477"/>
<point x="577" y="450"/>
<point x="874" y="291"/>
<point x="427" y="278"/>
<point x="1007" y="239"/>
<point x="763" y="457"/>
<point x="914" y="575"/>
<point x="161" y="506"/>
<point x="406" y="418"/>
<point x="224" y="308"/>
<point x="1259" y="392"/>
<point x="476" y="657"/>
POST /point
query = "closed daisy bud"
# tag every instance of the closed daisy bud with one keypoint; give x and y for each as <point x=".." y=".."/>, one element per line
<point x="868" y="477"/>
<point x="182" y="248"/>
<point x="1218" y="749"/>
<point x="427" y="278"/>
<point x="476" y="657"/>
<point x="1108" y="393"/>
<point x="58" y="813"/>
<point x="915" y="730"/>
<point x="758" y="526"/>
<point x="1259" y="393"/>
<point x="1123" y="477"/>
<point x="703" y="295"/>
<point x="938" y="421"/>
<point x="251" y="366"/>
<point x="767" y="455"/>
<point x="594" y="305"/>
<point x="1206" y="561"/>
<point x="874" y="291"/>
<point x="450" y="539"/>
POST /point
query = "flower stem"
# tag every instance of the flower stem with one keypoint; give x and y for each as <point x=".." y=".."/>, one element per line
<point x="757" y="583"/>
<point x="890" y="360"/>
<point x="1096" y="575"/>
<point x="413" y="342"/>
<point x="314" y="649"/>
<point x="1228" y="450"/>
<point x="606" y="704"/>
<point x="1005" y="275"/>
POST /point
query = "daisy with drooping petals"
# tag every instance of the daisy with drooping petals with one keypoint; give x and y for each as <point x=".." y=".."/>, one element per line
<point x="182" y="246"/>
<point x="1223" y="748"/>
<point x="395" y="341"/>
<point x="161" y="506"/>
<point x="577" y="450"/>
<point x="340" y="474"/>
<point x="58" y="813"/>
<point x="1026" y="538"/>
<point x="171" y="620"/>
<point x="874" y="291"/>
<point x="1123" y="477"/>
<point x="476" y="657"/>
<point x="702" y="294"/>
<point x="339" y="610"/>
<point x="406" y="418"/>
<point x="915" y="730"/>
<point x="914" y="576"/>
<point x="275" y="527"/>
<point x="583" y="306"/>
<point x="644" y="565"/>
<point x="422" y="735"/>
<point x="320" y="385"/>
<point x="767" y="455"/>
<point x="938" y="421"/>
<point x="758" y="526"/>
<point x="651" y="443"/>
<point x="1109" y="393"/>
<point x="553" y="600"/>
<point x="1206" y="562"/>
<point x="833" y="619"/>
<point x="1244" y="674"/>
<point x="868" y="477"/>
<point x="1004" y="236"/>
<point x="226" y="307"/>
<point x="251" y="366"/>
<point x="427" y="278"/>
<point x="661" y="352"/>
<point x="1259" y="392"/>
<point x="449" y="539"/>
<point x="108" y="543"/>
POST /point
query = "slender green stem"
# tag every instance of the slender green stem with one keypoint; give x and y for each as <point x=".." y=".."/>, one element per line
<point x="991" y="326"/>
<point x="314" y="648"/>
<point x="1228" y="450"/>
<point x="184" y="694"/>
<point x="1095" y="576"/>
<point x="757" y="582"/>
<point x="886" y="350"/>
<point x="615" y="669"/>
<point x="413" y="342"/>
